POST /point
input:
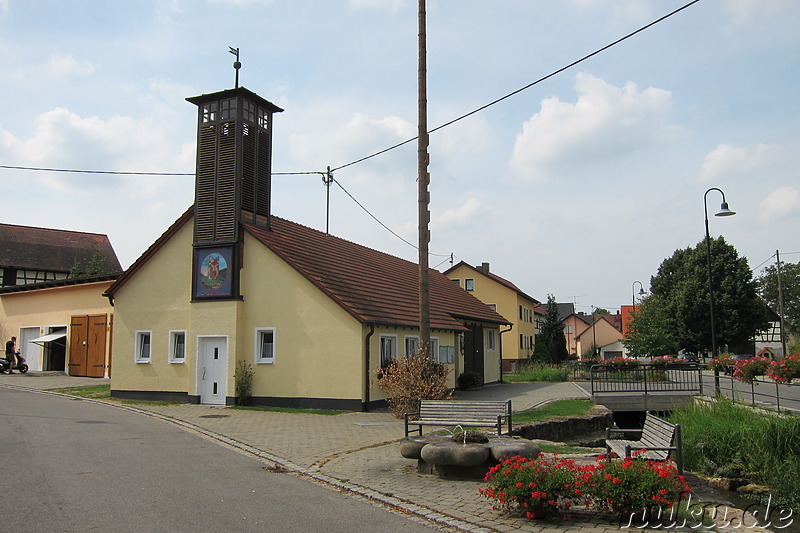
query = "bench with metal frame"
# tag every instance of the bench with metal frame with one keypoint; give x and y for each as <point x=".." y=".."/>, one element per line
<point x="448" y="413"/>
<point x="659" y="440"/>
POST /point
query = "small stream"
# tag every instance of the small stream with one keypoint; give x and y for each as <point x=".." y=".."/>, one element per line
<point x="769" y="515"/>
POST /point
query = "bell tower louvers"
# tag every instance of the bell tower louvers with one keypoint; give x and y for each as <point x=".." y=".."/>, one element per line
<point x="232" y="183"/>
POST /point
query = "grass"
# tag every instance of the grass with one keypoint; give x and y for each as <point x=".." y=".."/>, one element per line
<point x="539" y="372"/>
<point x="556" y="409"/>
<point x="96" y="392"/>
<point x="103" y="392"/>
<point x="723" y="439"/>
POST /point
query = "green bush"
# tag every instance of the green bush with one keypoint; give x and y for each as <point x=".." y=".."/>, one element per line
<point x="469" y="380"/>
<point x="243" y="377"/>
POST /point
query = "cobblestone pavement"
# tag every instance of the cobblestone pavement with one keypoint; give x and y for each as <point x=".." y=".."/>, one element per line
<point x="359" y="453"/>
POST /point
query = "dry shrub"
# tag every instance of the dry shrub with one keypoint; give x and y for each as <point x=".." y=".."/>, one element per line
<point x="409" y="380"/>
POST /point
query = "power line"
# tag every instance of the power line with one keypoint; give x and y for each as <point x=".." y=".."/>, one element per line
<point x="126" y="173"/>
<point x="528" y="86"/>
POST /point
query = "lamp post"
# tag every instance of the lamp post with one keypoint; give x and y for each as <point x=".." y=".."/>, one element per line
<point x="633" y="292"/>
<point x="723" y="212"/>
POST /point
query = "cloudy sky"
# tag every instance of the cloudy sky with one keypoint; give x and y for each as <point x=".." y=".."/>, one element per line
<point x="577" y="186"/>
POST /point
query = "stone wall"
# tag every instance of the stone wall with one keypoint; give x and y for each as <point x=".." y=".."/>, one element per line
<point x="566" y="429"/>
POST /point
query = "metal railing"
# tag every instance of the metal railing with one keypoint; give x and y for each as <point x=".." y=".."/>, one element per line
<point x="646" y="378"/>
<point x="761" y="392"/>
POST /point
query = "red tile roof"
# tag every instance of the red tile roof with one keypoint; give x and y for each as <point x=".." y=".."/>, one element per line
<point x="52" y="250"/>
<point x="372" y="286"/>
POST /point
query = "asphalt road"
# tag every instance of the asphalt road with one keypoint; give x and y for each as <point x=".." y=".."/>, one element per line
<point x="78" y="466"/>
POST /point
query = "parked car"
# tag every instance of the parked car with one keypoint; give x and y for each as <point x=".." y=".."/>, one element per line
<point x="688" y="358"/>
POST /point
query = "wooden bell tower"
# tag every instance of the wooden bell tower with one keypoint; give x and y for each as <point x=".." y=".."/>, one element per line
<point x="232" y="184"/>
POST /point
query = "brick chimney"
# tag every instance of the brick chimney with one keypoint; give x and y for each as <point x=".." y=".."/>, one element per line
<point x="484" y="268"/>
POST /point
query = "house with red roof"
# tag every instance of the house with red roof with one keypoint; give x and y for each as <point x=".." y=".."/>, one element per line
<point x="518" y="340"/>
<point x="229" y="287"/>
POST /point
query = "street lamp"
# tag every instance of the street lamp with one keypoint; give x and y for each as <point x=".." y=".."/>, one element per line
<point x="633" y="292"/>
<point x="723" y="212"/>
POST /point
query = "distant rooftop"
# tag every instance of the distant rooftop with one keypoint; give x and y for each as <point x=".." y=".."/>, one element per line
<point x="52" y="250"/>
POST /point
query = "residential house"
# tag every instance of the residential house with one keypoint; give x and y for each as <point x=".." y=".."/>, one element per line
<point x="229" y="287"/>
<point x="61" y="323"/>
<point x="503" y="296"/>
<point x="598" y="331"/>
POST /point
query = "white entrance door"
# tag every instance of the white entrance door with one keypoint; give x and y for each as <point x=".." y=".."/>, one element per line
<point x="30" y="351"/>
<point x="212" y="371"/>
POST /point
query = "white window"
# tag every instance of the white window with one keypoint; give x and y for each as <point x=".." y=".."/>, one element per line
<point x="142" y="346"/>
<point x="177" y="346"/>
<point x="490" y="339"/>
<point x="265" y="345"/>
<point x="447" y="355"/>
<point x="412" y="346"/>
<point x="493" y="307"/>
<point x="388" y="349"/>
<point x="469" y="284"/>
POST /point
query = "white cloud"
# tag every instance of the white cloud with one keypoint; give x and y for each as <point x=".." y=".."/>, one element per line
<point x="3" y="8"/>
<point x="63" y="65"/>
<point x="458" y="216"/>
<point x="780" y="202"/>
<point x="358" y="136"/>
<point x="726" y="162"/>
<point x="606" y="122"/>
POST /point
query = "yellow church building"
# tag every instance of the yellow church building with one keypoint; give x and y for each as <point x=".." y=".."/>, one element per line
<point x="315" y="316"/>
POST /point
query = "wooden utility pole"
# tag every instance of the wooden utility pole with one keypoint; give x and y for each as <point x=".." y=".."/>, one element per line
<point x="423" y="179"/>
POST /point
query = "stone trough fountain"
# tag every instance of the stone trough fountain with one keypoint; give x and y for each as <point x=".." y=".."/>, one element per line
<point x="466" y="454"/>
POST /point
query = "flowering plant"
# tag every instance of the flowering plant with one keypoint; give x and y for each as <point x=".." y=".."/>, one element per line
<point x="722" y="362"/>
<point x="546" y="488"/>
<point x="747" y="370"/>
<point x="540" y="488"/>
<point x="664" y="360"/>
<point x="635" y="485"/>
<point x="619" y="363"/>
<point x="786" y="369"/>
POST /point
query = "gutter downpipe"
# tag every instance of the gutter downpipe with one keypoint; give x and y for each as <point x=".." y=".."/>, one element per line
<point x="367" y="363"/>
<point x="510" y="327"/>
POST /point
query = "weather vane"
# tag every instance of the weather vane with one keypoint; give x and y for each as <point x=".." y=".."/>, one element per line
<point x="236" y="64"/>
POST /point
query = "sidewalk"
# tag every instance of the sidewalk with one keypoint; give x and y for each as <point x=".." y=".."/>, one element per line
<point x="357" y="452"/>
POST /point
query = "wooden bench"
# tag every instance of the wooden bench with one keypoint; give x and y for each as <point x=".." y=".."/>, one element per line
<point x="459" y="413"/>
<point x="659" y="440"/>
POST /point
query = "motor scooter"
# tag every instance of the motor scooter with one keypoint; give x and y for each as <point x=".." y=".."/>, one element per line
<point x="20" y="366"/>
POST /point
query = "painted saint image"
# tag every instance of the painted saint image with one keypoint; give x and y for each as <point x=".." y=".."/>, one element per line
<point x="213" y="271"/>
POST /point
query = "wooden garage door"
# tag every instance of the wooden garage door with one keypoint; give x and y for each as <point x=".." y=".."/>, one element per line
<point x="87" y="345"/>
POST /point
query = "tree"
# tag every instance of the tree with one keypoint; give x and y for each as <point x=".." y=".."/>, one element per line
<point x="552" y="333"/>
<point x="601" y="311"/>
<point x="95" y="266"/>
<point x="651" y="331"/>
<point x="681" y="298"/>
<point x="790" y="283"/>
